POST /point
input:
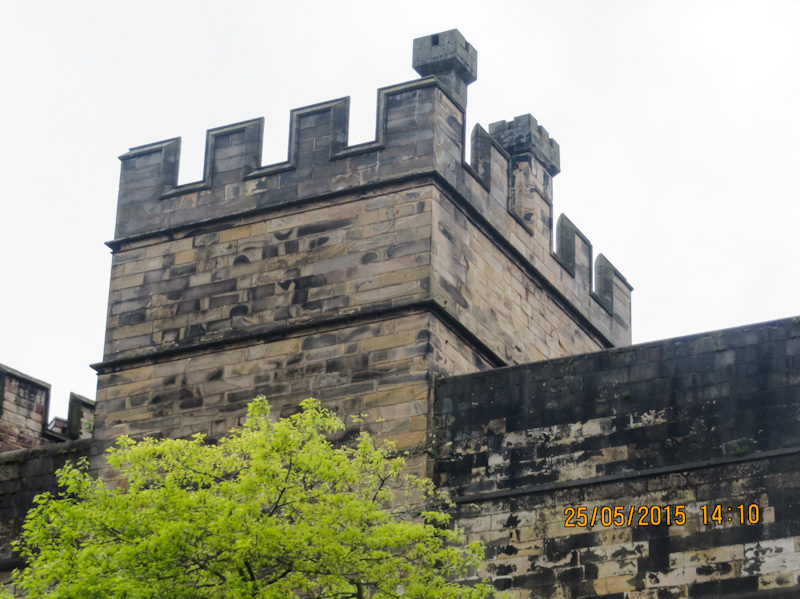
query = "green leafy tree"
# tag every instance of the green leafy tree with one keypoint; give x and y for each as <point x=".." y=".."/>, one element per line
<point x="272" y="511"/>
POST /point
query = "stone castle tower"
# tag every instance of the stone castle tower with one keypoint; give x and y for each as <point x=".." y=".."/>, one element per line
<point x="394" y="278"/>
<point x="354" y="274"/>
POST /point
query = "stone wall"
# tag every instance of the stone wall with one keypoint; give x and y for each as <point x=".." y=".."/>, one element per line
<point x="341" y="269"/>
<point x="378" y="367"/>
<point x="23" y="475"/>
<point x="260" y="274"/>
<point x="694" y="422"/>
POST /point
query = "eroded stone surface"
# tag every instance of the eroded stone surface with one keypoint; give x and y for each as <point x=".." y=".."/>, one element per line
<point x="697" y="422"/>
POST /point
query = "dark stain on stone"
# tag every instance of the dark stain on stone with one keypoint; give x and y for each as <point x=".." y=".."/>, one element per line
<point x="310" y="281"/>
<point x="223" y="300"/>
<point x="453" y="292"/>
<point x="262" y="291"/>
<point x="195" y="330"/>
<point x="324" y="226"/>
<point x="312" y="305"/>
<point x="137" y="400"/>
<point x="300" y="297"/>
<point x="316" y="341"/>
<point x="132" y="318"/>
<point x="188" y="307"/>
<point x="709" y="569"/>
<point x="508" y="550"/>
<point x="318" y="242"/>
<point x="571" y="575"/>
<point x="238" y="311"/>
<point x="346" y="364"/>
<point x="189" y="401"/>
<point x="512" y="521"/>
<point x="447" y="234"/>
<point x="503" y="569"/>
<point x="183" y="270"/>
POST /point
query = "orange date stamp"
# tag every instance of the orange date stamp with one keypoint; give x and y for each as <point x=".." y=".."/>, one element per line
<point x="658" y="515"/>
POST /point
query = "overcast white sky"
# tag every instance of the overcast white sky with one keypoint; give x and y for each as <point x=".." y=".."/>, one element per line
<point x="678" y="124"/>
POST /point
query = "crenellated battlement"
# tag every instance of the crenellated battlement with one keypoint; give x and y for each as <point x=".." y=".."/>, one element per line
<point x="320" y="162"/>
<point x="504" y="195"/>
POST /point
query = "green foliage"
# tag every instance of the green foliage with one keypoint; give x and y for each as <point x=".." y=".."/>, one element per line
<point x="272" y="511"/>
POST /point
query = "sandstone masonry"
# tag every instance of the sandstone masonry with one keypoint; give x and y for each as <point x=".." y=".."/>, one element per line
<point x="441" y="298"/>
<point x="355" y="274"/>
<point x="702" y="421"/>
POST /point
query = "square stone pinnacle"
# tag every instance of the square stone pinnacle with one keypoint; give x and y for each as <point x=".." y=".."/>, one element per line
<point x="445" y="52"/>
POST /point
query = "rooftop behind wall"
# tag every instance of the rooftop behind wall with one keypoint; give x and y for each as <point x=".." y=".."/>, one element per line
<point x="420" y="132"/>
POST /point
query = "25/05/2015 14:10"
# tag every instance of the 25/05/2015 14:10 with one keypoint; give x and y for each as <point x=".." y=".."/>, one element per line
<point x="607" y="516"/>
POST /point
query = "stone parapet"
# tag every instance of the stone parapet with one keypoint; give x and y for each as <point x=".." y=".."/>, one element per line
<point x="705" y="423"/>
<point x="728" y="393"/>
